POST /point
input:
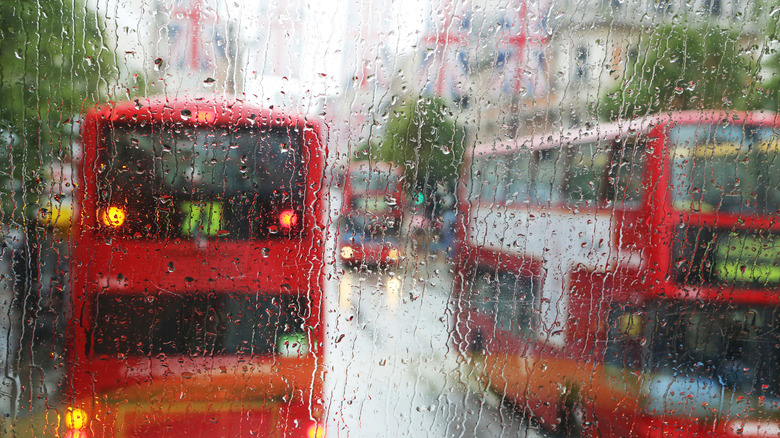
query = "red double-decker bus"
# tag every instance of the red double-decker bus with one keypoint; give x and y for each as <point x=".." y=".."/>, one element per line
<point x="371" y="212"/>
<point x="197" y="272"/>
<point x="624" y="280"/>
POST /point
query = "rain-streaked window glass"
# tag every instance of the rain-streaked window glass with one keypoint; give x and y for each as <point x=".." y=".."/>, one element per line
<point x="329" y="218"/>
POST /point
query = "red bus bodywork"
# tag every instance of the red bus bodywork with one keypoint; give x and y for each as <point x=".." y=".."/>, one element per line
<point x="202" y="394"/>
<point x="576" y="350"/>
<point x="372" y="209"/>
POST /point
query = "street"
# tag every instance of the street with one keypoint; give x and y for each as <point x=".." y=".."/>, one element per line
<point x="391" y="371"/>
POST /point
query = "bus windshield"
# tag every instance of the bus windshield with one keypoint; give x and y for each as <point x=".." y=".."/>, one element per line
<point x="371" y="180"/>
<point x="725" y="169"/>
<point x="176" y="181"/>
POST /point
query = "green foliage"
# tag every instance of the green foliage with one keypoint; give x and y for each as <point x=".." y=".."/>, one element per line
<point x="53" y="66"/>
<point x="770" y="89"/>
<point x="421" y="134"/>
<point x="680" y="67"/>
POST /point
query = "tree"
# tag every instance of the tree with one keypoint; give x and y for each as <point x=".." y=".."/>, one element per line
<point x="54" y="64"/>
<point x="768" y="93"/>
<point x="421" y="134"/>
<point x="683" y="66"/>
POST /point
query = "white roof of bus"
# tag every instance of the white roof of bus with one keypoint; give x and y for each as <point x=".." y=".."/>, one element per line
<point x="612" y="130"/>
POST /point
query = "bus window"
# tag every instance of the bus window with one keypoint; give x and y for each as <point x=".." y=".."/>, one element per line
<point x="624" y="184"/>
<point x="194" y="324"/>
<point x="585" y="174"/>
<point x="768" y="190"/>
<point x="489" y="179"/>
<point x="519" y="177"/>
<point x="475" y="181"/>
<point x="734" y="345"/>
<point x="506" y="297"/>
<point x="624" y="338"/>
<point x="725" y="169"/>
<point x="548" y="178"/>
<point x="207" y="182"/>
<point x="371" y="180"/>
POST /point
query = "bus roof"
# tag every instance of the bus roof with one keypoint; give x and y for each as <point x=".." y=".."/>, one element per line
<point x="617" y="129"/>
<point x="379" y="166"/>
<point x="201" y="110"/>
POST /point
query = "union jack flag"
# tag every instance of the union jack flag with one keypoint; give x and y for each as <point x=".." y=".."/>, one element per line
<point x="195" y="40"/>
<point x="446" y="65"/>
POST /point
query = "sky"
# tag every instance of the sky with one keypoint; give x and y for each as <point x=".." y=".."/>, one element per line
<point x="324" y="41"/>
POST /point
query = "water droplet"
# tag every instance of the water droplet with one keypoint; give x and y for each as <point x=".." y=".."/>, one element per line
<point x="444" y="149"/>
<point x="186" y="114"/>
<point x="18" y="54"/>
<point x="157" y="64"/>
<point x="88" y="59"/>
<point x="209" y="81"/>
<point x="266" y="252"/>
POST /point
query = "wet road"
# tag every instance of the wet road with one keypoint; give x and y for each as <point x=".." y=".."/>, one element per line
<point x="391" y="371"/>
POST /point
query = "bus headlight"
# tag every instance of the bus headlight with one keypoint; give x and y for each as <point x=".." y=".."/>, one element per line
<point x="316" y="430"/>
<point x="288" y="219"/>
<point x="394" y="286"/>
<point x="76" y="418"/>
<point x="347" y="252"/>
<point x="113" y="217"/>
<point x="392" y="254"/>
<point x="76" y="421"/>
